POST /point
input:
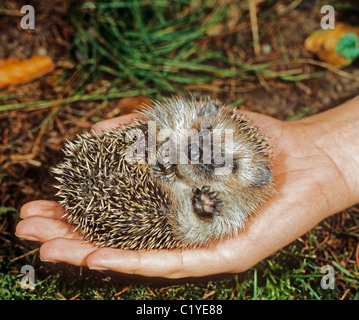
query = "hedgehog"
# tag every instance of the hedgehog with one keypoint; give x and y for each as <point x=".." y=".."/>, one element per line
<point x="192" y="174"/>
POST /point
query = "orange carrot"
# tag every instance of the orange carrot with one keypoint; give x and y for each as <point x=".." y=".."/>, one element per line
<point x="14" y="71"/>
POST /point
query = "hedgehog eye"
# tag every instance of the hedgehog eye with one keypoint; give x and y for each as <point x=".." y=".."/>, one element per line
<point x="263" y="176"/>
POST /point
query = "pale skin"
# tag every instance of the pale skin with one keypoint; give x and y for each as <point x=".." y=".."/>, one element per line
<point x="316" y="169"/>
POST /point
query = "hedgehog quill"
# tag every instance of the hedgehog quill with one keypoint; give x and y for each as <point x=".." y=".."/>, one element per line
<point x="191" y="174"/>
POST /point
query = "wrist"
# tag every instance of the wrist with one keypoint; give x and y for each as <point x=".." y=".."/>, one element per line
<point x="335" y="133"/>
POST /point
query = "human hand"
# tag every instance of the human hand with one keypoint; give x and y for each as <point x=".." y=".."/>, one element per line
<point x="306" y="180"/>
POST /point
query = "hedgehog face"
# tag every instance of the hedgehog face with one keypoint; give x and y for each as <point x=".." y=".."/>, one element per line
<point x="206" y="149"/>
<point x="221" y="147"/>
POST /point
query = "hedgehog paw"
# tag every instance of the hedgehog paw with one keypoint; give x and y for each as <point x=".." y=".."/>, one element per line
<point x="206" y="203"/>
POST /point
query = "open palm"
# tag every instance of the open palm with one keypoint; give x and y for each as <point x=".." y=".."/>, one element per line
<point x="304" y="175"/>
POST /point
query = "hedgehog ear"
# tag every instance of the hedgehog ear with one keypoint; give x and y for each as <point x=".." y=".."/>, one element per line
<point x="262" y="177"/>
<point x="209" y="109"/>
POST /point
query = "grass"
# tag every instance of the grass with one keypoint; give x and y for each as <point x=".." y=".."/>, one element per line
<point x="155" y="44"/>
<point x="268" y="280"/>
<point x="154" y="48"/>
<point x="143" y="42"/>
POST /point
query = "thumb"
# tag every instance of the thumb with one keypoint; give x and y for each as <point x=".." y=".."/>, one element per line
<point x="114" y="123"/>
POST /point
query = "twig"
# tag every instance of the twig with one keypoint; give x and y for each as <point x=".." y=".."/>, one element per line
<point x="9" y="12"/>
<point x="324" y="65"/>
<point x="209" y="294"/>
<point x="75" y="296"/>
<point x="263" y="82"/>
<point x="254" y="25"/>
<point x="151" y="292"/>
<point x="45" y="124"/>
<point x="61" y="296"/>
<point x="25" y="254"/>
<point x="344" y="295"/>
<point x="122" y="291"/>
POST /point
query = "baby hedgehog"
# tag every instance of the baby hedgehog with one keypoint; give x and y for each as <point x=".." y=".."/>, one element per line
<point x="191" y="174"/>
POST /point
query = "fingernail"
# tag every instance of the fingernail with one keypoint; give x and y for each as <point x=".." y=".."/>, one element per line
<point x="26" y="237"/>
<point x="48" y="260"/>
<point x="98" y="268"/>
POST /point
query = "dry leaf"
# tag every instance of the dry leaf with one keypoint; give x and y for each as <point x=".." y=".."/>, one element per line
<point x="129" y="105"/>
<point x="14" y="71"/>
<point x="323" y="43"/>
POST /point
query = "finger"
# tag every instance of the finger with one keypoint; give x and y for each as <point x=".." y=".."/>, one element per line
<point x="162" y="263"/>
<point x="44" y="208"/>
<point x="270" y="127"/>
<point x="43" y="229"/>
<point x="114" y="123"/>
<point x="74" y="252"/>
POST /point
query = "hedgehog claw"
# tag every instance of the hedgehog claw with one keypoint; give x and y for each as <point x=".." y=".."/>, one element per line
<point x="216" y="212"/>
<point x="205" y="203"/>
<point x="219" y="203"/>
<point x="212" y="194"/>
<point x="205" y="189"/>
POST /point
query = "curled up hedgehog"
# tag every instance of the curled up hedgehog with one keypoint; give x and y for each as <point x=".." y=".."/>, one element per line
<point x="192" y="174"/>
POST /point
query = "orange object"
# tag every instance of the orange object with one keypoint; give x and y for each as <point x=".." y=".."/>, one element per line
<point x="129" y="104"/>
<point x="14" y="71"/>
<point x="324" y="42"/>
